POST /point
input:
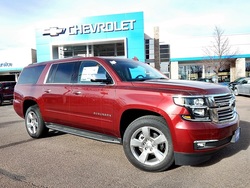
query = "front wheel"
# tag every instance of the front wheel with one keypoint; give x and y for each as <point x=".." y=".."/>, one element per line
<point x="34" y="123"/>
<point x="236" y="92"/>
<point x="148" y="144"/>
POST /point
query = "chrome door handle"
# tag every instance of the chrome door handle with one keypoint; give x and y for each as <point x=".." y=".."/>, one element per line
<point x="77" y="92"/>
<point x="47" y="91"/>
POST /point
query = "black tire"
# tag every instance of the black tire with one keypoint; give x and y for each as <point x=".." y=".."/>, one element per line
<point x="34" y="122"/>
<point x="1" y="101"/>
<point x="152" y="148"/>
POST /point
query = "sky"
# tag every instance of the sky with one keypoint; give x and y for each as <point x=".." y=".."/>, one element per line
<point x="175" y="18"/>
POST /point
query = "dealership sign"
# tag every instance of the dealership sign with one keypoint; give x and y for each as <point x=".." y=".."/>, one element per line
<point x="6" y="64"/>
<point x="91" y="28"/>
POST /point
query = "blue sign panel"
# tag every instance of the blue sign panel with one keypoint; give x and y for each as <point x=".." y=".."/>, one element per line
<point x="128" y="27"/>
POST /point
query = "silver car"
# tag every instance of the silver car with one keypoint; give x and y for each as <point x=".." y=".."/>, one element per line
<point x="243" y="88"/>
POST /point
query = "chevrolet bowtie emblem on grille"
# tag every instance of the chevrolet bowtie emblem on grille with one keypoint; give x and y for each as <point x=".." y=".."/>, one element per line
<point x="54" y="31"/>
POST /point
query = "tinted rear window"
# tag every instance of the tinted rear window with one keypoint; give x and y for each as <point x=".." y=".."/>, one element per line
<point x="61" y="73"/>
<point x="30" y="75"/>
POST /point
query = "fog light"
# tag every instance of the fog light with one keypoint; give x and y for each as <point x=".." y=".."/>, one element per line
<point x="204" y="144"/>
<point x="201" y="145"/>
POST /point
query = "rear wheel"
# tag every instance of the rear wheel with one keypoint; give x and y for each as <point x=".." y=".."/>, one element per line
<point x="34" y="123"/>
<point x="148" y="145"/>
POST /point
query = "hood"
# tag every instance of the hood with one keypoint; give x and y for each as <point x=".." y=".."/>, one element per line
<point x="184" y="87"/>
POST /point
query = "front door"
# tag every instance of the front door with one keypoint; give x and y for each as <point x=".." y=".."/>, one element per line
<point x="91" y="103"/>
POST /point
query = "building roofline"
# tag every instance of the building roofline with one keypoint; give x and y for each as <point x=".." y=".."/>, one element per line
<point x="207" y="58"/>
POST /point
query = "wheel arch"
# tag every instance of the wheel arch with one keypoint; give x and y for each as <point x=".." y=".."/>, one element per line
<point x="129" y="115"/>
<point x="28" y="103"/>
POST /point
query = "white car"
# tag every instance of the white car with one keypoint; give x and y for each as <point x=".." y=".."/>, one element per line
<point x="243" y="88"/>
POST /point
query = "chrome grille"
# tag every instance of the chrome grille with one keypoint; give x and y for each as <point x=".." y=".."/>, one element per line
<point x="222" y="107"/>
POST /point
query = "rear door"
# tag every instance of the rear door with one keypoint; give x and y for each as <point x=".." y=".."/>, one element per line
<point x="241" y="86"/>
<point x="56" y="92"/>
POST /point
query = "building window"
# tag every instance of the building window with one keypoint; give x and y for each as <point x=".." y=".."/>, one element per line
<point x="114" y="49"/>
<point x="149" y="51"/>
<point x="190" y="72"/>
<point x="165" y="52"/>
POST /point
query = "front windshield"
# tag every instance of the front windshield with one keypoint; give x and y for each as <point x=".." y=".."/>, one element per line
<point x="130" y="70"/>
<point x="238" y="79"/>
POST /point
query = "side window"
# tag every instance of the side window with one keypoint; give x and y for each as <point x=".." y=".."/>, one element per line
<point x="61" y="73"/>
<point x="30" y="75"/>
<point x="88" y="69"/>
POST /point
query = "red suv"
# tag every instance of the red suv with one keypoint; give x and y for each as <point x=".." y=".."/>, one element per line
<point x="159" y="121"/>
<point x="6" y="90"/>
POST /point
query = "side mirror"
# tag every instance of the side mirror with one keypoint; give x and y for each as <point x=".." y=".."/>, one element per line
<point x="101" y="78"/>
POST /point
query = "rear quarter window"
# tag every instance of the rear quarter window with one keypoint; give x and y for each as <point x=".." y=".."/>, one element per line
<point x="30" y="75"/>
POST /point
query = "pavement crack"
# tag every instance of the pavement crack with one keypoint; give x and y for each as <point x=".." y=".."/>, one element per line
<point x="16" y="143"/>
<point x="12" y="175"/>
<point x="19" y="178"/>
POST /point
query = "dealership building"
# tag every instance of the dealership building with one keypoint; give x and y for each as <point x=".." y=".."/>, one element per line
<point x="121" y="35"/>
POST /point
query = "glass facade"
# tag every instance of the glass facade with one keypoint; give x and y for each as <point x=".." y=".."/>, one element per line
<point x="112" y="49"/>
<point x="150" y="54"/>
<point x="203" y="72"/>
<point x="165" y="52"/>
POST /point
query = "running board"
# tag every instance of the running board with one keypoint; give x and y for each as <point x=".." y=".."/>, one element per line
<point x="83" y="133"/>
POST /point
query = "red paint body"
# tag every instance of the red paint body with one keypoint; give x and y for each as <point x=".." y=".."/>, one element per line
<point x="100" y="108"/>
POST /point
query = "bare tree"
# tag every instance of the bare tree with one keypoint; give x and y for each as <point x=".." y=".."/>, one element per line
<point x="220" y="54"/>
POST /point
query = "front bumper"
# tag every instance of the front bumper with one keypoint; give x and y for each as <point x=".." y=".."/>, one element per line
<point x="197" y="158"/>
<point x="208" y="144"/>
<point x="195" y="142"/>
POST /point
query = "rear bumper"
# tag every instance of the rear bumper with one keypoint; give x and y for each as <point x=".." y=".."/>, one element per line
<point x="18" y="107"/>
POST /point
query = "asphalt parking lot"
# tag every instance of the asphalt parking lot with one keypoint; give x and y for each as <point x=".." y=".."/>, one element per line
<point x="63" y="160"/>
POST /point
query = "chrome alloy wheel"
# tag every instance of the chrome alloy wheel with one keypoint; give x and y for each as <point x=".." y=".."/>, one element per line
<point x="149" y="145"/>
<point x="32" y="122"/>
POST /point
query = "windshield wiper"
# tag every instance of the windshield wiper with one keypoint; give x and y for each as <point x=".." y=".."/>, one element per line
<point x="144" y="79"/>
<point x="162" y="78"/>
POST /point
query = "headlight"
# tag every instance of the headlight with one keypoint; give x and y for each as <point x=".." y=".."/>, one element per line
<point x="197" y="107"/>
